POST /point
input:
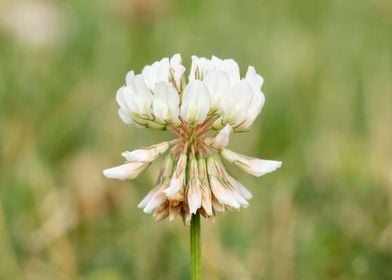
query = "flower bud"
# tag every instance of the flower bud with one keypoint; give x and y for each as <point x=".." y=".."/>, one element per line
<point x="253" y="166"/>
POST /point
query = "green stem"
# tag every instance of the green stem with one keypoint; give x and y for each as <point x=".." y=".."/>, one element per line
<point x="195" y="246"/>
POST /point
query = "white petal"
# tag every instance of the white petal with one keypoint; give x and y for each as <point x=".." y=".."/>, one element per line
<point x="235" y="108"/>
<point x="217" y="83"/>
<point x="244" y="192"/>
<point x="163" y="70"/>
<point x="125" y="100"/>
<point x="176" y="183"/>
<point x="255" y="80"/>
<point x="129" y="77"/>
<point x="255" y="107"/>
<point x="257" y="101"/>
<point x="146" y="199"/>
<point x="166" y="103"/>
<point x="175" y="60"/>
<point x="149" y="76"/>
<point x="178" y="68"/>
<point x="135" y="98"/>
<point x="237" y="196"/>
<point x="229" y="66"/>
<point x="141" y="95"/>
<point x="156" y="200"/>
<point x="125" y="117"/>
<point x="262" y="166"/>
<point x="198" y="68"/>
<point x="125" y="171"/>
<point x="140" y="155"/>
<point x="195" y="102"/>
<point x="156" y="72"/>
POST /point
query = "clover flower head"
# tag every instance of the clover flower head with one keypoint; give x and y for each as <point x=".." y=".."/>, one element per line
<point x="202" y="114"/>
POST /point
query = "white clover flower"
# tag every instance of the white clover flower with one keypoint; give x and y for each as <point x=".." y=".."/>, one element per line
<point x="193" y="179"/>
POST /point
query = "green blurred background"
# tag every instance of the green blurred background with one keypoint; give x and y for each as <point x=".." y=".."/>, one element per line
<point x="326" y="214"/>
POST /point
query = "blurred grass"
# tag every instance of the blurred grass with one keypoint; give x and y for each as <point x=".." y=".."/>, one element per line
<point x="325" y="215"/>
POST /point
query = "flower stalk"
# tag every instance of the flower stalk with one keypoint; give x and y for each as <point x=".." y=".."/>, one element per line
<point x="195" y="246"/>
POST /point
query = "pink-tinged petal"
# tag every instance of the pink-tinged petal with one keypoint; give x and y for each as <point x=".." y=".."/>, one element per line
<point x="244" y="192"/>
<point x="194" y="195"/>
<point x="206" y="197"/>
<point x="223" y="195"/>
<point x="178" y="179"/>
